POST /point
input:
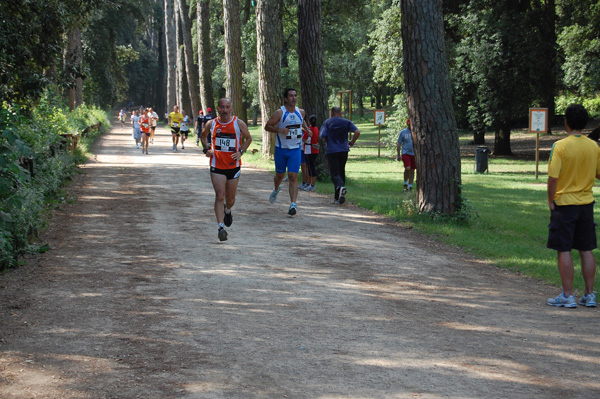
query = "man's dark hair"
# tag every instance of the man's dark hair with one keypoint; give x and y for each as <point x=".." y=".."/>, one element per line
<point x="287" y="91"/>
<point x="576" y="116"/>
<point x="336" y="110"/>
<point x="313" y="120"/>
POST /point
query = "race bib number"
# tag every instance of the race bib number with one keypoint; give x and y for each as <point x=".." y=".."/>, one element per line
<point x="175" y="124"/>
<point x="224" y="144"/>
<point x="295" y="132"/>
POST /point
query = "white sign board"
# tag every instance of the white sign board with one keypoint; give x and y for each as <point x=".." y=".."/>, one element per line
<point x="379" y="117"/>
<point x="538" y="120"/>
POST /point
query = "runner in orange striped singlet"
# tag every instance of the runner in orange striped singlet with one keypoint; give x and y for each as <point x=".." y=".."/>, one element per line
<point x="145" y="126"/>
<point x="230" y="138"/>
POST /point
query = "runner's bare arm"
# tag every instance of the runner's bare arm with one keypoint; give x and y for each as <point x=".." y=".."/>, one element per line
<point x="247" y="140"/>
<point x="355" y="135"/>
<point x="270" y="125"/>
<point x="203" y="137"/>
<point x="305" y="124"/>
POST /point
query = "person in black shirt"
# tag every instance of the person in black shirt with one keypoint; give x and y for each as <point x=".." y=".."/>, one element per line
<point x="199" y="125"/>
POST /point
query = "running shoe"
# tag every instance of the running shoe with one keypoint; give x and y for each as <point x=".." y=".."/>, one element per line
<point x="146" y="152"/>
<point x="561" y="301"/>
<point x="405" y="187"/>
<point x="335" y="202"/>
<point x="303" y="186"/>
<point x="152" y="141"/>
<point x="342" y="197"/>
<point x="174" y="147"/>
<point x="588" y="300"/>
<point x="292" y="210"/>
<point x="228" y="219"/>
<point x="182" y="147"/>
<point x="137" y="146"/>
<point x="222" y="234"/>
<point x="273" y="196"/>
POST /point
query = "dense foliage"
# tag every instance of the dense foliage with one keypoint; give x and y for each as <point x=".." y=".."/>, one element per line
<point x="35" y="162"/>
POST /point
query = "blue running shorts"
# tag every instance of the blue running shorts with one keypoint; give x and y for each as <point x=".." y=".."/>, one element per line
<point x="289" y="159"/>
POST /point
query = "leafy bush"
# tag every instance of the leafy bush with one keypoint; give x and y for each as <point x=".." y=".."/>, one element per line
<point x="34" y="165"/>
<point x="592" y="104"/>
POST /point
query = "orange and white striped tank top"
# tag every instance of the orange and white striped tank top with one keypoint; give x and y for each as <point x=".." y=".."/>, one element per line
<point x="226" y="139"/>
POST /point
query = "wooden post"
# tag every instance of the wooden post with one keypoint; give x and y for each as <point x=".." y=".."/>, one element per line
<point x="379" y="143"/>
<point x="537" y="154"/>
<point x="341" y="93"/>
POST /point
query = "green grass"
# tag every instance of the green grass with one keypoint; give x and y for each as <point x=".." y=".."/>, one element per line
<point x="510" y="219"/>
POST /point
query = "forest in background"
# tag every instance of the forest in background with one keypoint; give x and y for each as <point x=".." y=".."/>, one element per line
<point x="504" y="56"/>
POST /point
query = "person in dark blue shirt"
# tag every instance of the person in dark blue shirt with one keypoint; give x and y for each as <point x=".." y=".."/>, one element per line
<point x="335" y="132"/>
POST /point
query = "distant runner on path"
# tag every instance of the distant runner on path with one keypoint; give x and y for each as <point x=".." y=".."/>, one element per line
<point x="145" y="124"/>
<point x="288" y="122"/>
<point x="154" y="119"/>
<point x="230" y="138"/>
<point x="174" y="120"/>
<point x="185" y="129"/>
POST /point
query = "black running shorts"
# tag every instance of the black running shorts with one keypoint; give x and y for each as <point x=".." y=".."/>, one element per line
<point x="229" y="173"/>
<point x="572" y="227"/>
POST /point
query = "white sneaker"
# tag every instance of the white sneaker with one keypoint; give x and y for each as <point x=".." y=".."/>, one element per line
<point x="561" y="301"/>
<point x="588" y="300"/>
<point x="273" y="196"/>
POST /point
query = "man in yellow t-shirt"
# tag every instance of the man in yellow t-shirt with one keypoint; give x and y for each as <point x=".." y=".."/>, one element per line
<point x="574" y="164"/>
<point x="174" y="120"/>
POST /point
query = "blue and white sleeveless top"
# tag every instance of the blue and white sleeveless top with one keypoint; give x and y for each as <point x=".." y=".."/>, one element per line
<point x="293" y="121"/>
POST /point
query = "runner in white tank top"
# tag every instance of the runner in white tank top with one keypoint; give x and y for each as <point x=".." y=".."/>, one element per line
<point x="287" y="122"/>
<point x="293" y="121"/>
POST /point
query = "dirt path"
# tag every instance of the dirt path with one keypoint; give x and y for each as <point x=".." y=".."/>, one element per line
<point x="138" y="299"/>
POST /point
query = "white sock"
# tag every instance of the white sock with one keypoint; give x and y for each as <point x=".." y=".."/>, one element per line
<point x="222" y="225"/>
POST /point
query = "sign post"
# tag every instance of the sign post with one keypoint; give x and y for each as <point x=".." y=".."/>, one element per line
<point x="538" y="123"/>
<point x="349" y="92"/>
<point x="379" y="118"/>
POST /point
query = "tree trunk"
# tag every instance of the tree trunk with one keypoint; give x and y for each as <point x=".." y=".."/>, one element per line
<point x="548" y="78"/>
<point x="311" y="70"/>
<point x="502" y="140"/>
<point x="233" y="57"/>
<point x="204" y="55"/>
<point x="161" y="85"/>
<point x="479" y="137"/>
<point x="171" y="50"/>
<point x="429" y="99"/>
<point x="73" y="66"/>
<point x="180" y="66"/>
<point x="269" y="31"/>
<point x="188" y="50"/>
